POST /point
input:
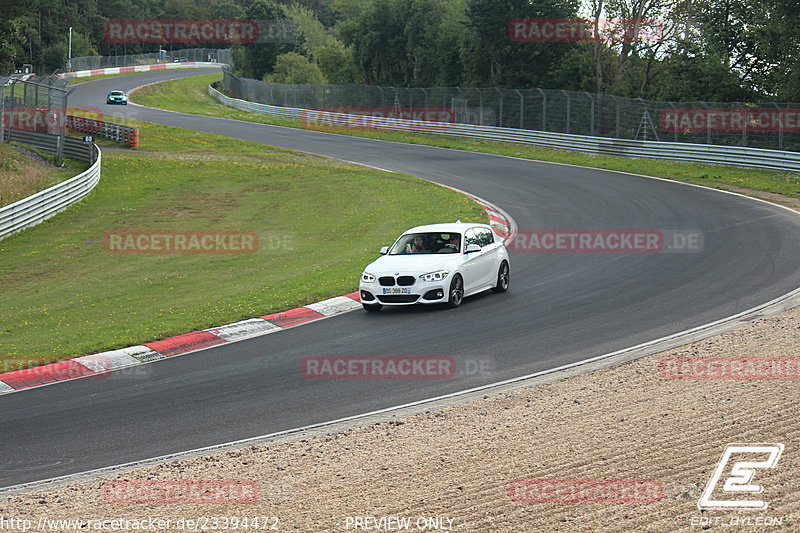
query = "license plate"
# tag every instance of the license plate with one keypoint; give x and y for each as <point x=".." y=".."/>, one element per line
<point x="396" y="290"/>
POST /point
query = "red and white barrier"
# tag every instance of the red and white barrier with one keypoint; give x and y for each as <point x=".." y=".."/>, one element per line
<point x="138" y="68"/>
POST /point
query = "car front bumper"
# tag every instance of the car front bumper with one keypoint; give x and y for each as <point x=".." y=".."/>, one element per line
<point x="421" y="292"/>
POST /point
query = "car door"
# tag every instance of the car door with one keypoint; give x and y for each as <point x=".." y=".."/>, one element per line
<point x="486" y="261"/>
<point x="471" y="268"/>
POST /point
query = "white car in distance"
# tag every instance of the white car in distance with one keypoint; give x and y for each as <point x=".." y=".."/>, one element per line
<point x="436" y="264"/>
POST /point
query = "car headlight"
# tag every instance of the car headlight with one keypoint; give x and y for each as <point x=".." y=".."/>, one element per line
<point x="439" y="275"/>
<point x="366" y="277"/>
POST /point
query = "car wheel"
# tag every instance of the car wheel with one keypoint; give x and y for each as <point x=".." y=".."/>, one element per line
<point x="503" y="278"/>
<point x="456" y="292"/>
<point x="372" y="308"/>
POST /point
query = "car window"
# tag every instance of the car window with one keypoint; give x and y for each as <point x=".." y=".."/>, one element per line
<point x="485" y="236"/>
<point x="470" y="237"/>
<point x="426" y="243"/>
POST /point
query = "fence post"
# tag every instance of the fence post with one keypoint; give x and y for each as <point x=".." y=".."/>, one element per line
<point x="591" y="111"/>
<point x="675" y="136"/>
<point x="2" y="110"/>
<point x="708" y="130"/>
<point x="544" y="109"/>
<point x="569" y="109"/>
<point x="521" y="109"/>
<point x="617" y="129"/>
<point x="12" y="106"/>
<point x="500" y="116"/>
<point x="744" y="123"/>
<point x="780" y="126"/>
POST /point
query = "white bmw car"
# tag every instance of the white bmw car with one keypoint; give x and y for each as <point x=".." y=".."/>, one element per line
<point x="434" y="264"/>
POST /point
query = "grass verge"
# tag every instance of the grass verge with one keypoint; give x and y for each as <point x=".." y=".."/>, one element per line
<point x="190" y="95"/>
<point x="319" y="222"/>
<point x="24" y="172"/>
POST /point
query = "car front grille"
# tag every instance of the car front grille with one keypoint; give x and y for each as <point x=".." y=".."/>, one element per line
<point x="389" y="281"/>
<point x="398" y="298"/>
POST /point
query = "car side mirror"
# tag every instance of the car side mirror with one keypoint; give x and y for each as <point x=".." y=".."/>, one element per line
<point x="472" y="248"/>
<point x="384" y="250"/>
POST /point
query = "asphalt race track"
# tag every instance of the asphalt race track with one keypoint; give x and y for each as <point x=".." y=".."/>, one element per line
<point x="561" y="307"/>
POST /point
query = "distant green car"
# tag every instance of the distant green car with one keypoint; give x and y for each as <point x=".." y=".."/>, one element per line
<point x="117" y="97"/>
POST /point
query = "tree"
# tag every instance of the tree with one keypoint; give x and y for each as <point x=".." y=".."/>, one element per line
<point x="492" y="59"/>
<point x="253" y="60"/>
<point x="294" y="68"/>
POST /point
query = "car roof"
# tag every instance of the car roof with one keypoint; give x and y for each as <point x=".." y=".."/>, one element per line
<point x="452" y="227"/>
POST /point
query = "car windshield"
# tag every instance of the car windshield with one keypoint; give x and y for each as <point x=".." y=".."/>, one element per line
<point x="117" y="93"/>
<point x="427" y="243"/>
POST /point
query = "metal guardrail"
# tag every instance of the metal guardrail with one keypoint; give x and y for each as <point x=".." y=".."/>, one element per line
<point x="44" y="204"/>
<point x="690" y="152"/>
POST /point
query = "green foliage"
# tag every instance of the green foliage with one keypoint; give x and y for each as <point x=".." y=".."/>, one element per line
<point x="495" y="60"/>
<point x="254" y="60"/>
<point x="712" y="50"/>
<point x="294" y="68"/>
